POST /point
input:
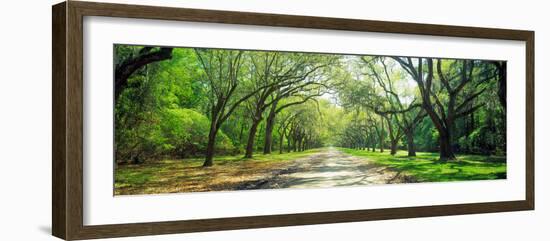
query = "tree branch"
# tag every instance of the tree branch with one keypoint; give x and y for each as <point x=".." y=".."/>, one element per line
<point x="124" y="70"/>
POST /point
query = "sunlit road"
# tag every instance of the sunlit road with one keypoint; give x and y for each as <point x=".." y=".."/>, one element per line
<point x="329" y="168"/>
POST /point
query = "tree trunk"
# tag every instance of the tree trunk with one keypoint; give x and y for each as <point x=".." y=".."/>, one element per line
<point x="502" y="83"/>
<point x="446" y="147"/>
<point x="373" y="142"/>
<point x="270" y="123"/>
<point x="382" y="143"/>
<point x="288" y="143"/>
<point x="410" y="143"/>
<point x="251" y="137"/>
<point x="393" y="148"/>
<point x="241" y="133"/>
<point x="281" y="139"/>
<point x="381" y="133"/>
<point x="210" y="147"/>
<point x="470" y="127"/>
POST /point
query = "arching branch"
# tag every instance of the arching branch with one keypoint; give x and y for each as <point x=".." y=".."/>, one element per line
<point x="124" y="70"/>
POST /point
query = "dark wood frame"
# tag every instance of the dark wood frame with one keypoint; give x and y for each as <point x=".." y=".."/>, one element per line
<point x="67" y="123"/>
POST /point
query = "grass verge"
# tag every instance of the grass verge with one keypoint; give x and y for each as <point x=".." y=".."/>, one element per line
<point x="425" y="167"/>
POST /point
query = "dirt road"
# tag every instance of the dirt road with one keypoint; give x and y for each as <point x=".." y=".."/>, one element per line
<point x="330" y="168"/>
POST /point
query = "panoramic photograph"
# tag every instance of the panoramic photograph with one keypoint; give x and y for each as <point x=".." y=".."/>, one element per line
<point x="190" y="119"/>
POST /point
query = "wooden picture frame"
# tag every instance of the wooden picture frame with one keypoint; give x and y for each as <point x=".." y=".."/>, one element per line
<point x="67" y="124"/>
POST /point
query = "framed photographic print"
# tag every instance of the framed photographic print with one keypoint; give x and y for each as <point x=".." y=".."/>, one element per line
<point x="171" y="120"/>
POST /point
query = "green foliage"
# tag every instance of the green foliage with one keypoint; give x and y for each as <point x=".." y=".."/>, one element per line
<point x="167" y="109"/>
<point x="178" y="86"/>
<point x="186" y="133"/>
<point x="158" y="114"/>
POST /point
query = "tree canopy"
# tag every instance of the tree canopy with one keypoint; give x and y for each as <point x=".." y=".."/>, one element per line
<point x="200" y="102"/>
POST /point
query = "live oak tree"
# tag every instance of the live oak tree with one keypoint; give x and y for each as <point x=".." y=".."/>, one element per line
<point x="287" y="75"/>
<point x="378" y="126"/>
<point x="285" y="123"/>
<point x="285" y="99"/>
<point x="317" y="85"/>
<point x="445" y="101"/>
<point x="223" y="71"/>
<point x="300" y="126"/>
<point x="394" y="133"/>
<point x="263" y="64"/>
<point x="358" y="92"/>
<point x="363" y="130"/>
<point x="408" y="123"/>
<point x="401" y="109"/>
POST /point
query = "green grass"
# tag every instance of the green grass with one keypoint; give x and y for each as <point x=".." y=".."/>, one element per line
<point x="426" y="167"/>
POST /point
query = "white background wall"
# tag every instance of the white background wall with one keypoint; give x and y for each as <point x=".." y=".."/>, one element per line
<point x="25" y="119"/>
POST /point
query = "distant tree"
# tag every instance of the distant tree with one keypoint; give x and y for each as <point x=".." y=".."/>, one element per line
<point x="284" y="125"/>
<point x="301" y="96"/>
<point x="287" y="74"/>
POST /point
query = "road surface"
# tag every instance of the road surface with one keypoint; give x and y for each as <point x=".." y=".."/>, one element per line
<point x="329" y="168"/>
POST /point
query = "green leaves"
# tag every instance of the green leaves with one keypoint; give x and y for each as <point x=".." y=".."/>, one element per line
<point x="185" y="131"/>
<point x="170" y="107"/>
